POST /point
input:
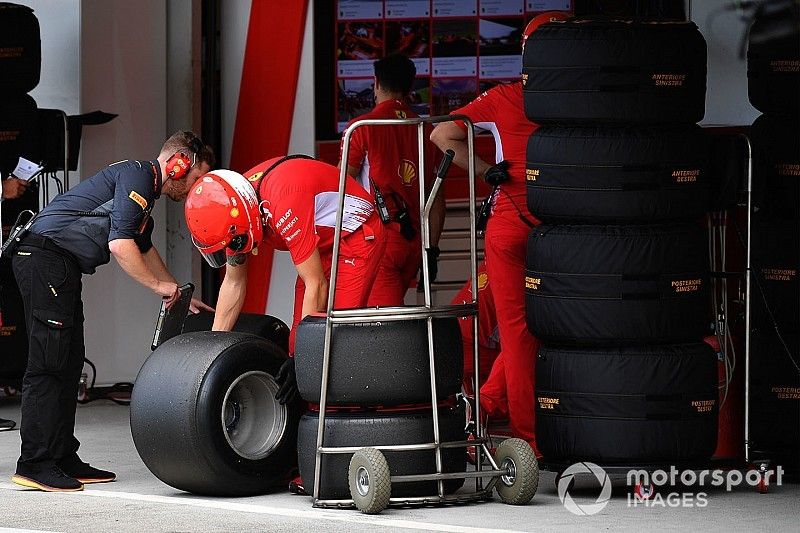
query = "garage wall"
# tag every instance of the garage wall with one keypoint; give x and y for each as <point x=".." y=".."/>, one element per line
<point x="726" y="97"/>
<point x="235" y="18"/>
<point x="123" y="70"/>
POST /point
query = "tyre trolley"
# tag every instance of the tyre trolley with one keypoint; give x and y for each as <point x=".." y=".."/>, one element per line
<point x="513" y="469"/>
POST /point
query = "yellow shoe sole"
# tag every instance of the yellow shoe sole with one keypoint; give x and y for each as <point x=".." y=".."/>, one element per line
<point x="27" y="482"/>
<point x="88" y="480"/>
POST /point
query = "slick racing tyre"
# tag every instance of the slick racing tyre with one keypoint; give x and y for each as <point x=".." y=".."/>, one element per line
<point x="379" y="363"/>
<point x="377" y="429"/>
<point x="20" y="49"/>
<point x="776" y="162"/>
<point x="617" y="175"/>
<point x="204" y="417"/>
<point x="615" y="71"/>
<point x="629" y="405"/>
<point x="773" y="62"/>
<point x="265" y="326"/>
<point x="617" y="285"/>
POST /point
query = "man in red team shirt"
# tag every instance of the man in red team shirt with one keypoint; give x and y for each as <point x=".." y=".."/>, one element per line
<point x="384" y="159"/>
<point x="500" y="111"/>
<point x="290" y="203"/>
<point x="488" y="334"/>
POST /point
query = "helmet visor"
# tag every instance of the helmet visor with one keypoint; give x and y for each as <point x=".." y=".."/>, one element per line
<point x="216" y="259"/>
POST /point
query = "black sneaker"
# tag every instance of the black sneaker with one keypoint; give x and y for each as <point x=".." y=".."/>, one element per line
<point x="85" y="473"/>
<point x="52" y="479"/>
<point x="296" y="487"/>
<point x="6" y="425"/>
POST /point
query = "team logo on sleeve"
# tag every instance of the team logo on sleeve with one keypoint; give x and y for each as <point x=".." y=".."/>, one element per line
<point x="138" y="198"/>
<point x="255" y="177"/>
<point x="399" y="113"/>
<point x="407" y="172"/>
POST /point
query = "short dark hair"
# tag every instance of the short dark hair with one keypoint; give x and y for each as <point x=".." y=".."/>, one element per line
<point x="181" y="141"/>
<point x="395" y="73"/>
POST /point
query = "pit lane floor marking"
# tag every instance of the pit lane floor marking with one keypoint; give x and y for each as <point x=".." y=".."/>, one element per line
<point x="348" y="516"/>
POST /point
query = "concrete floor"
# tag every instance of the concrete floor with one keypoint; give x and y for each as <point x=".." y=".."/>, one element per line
<point x="140" y="502"/>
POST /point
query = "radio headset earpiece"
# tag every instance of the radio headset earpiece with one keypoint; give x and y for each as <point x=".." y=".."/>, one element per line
<point x="179" y="164"/>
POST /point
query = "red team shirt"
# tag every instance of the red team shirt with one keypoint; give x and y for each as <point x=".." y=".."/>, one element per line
<point x="499" y="111"/>
<point x="301" y="196"/>
<point x="389" y="155"/>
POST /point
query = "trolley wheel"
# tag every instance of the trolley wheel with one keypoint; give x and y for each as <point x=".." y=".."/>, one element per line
<point x="518" y="485"/>
<point x="643" y="491"/>
<point x="370" y="481"/>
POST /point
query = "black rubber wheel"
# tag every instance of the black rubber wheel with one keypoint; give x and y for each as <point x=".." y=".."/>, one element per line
<point x="773" y="77"/>
<point x="617" y="175"/>
<point x="774" y="406"/>
<point x="18" y="120"/>
<point x="521" y="480"/>
<point x="379" y="363"/>
<point x="776" y="166"/>
<point x="614" y="71"/>
<point x="617" y="285"/>
<point x="21" y="60"/>
<point x="266" y="326"/>
<point x="627" y="405"/>
<point x="370" y="481"/>
<point x="204" y="418"/>
<point x="381" y="429"/>
<point x="776" y="264"/>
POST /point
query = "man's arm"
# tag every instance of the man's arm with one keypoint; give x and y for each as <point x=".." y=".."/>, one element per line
<point x="231" y="297"/>
<point x="156" y="265"/>
<point x="315" y="297"/>
<point x="134" y="264"/>
<point x="437" y="218"/>
<point x="449" y="135"/>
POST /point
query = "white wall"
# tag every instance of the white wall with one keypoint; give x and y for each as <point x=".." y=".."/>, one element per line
<point x="235" y="17"/>
<point x="123" y="71"/>
<point x="726" y="96"/>
<point x="59" y="23"/>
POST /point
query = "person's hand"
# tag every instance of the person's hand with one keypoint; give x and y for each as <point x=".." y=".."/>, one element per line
<point x="433" y="266"/>
<point x="168" y="291"/>
<point x="287" y="381"/>
<point x="497" y="174"/>
<point x="14" y="188"/>
<point x="195" y="306"/>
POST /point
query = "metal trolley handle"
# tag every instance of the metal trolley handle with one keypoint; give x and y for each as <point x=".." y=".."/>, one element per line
<point x="427" y="312"/>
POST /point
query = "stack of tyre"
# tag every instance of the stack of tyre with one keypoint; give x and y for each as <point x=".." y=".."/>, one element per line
<point x="20" y="65"/>
<point x="774" y="89"/>
<point x="617" y="274"/>
<point x="379" y="393"/>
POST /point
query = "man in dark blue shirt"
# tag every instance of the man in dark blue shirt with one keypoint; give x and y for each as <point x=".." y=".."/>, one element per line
<point x="107" y="214"/>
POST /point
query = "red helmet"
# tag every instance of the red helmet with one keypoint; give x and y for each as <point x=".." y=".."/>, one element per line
<point x="542" y="18"/>
<point x="223" y="217"/>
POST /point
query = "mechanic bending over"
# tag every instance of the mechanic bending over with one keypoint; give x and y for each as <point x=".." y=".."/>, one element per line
<point x="384" y="160"/>
<point x="106" y="214"/>
<point x="290" y="204"/>
<point x="501" y="111"/>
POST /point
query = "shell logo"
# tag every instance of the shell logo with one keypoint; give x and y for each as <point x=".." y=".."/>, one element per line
<point x="407" y="172"/>
<point x="483" y="280"/>
<point x="234" y="212"/>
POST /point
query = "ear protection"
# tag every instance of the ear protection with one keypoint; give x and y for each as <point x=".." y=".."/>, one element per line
<point x="179" y="164"/>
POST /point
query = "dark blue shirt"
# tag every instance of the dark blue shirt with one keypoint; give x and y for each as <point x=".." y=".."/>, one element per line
<point x="124" y="192"/>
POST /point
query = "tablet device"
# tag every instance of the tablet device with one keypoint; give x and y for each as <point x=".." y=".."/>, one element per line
<point x="170" y="321"/>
